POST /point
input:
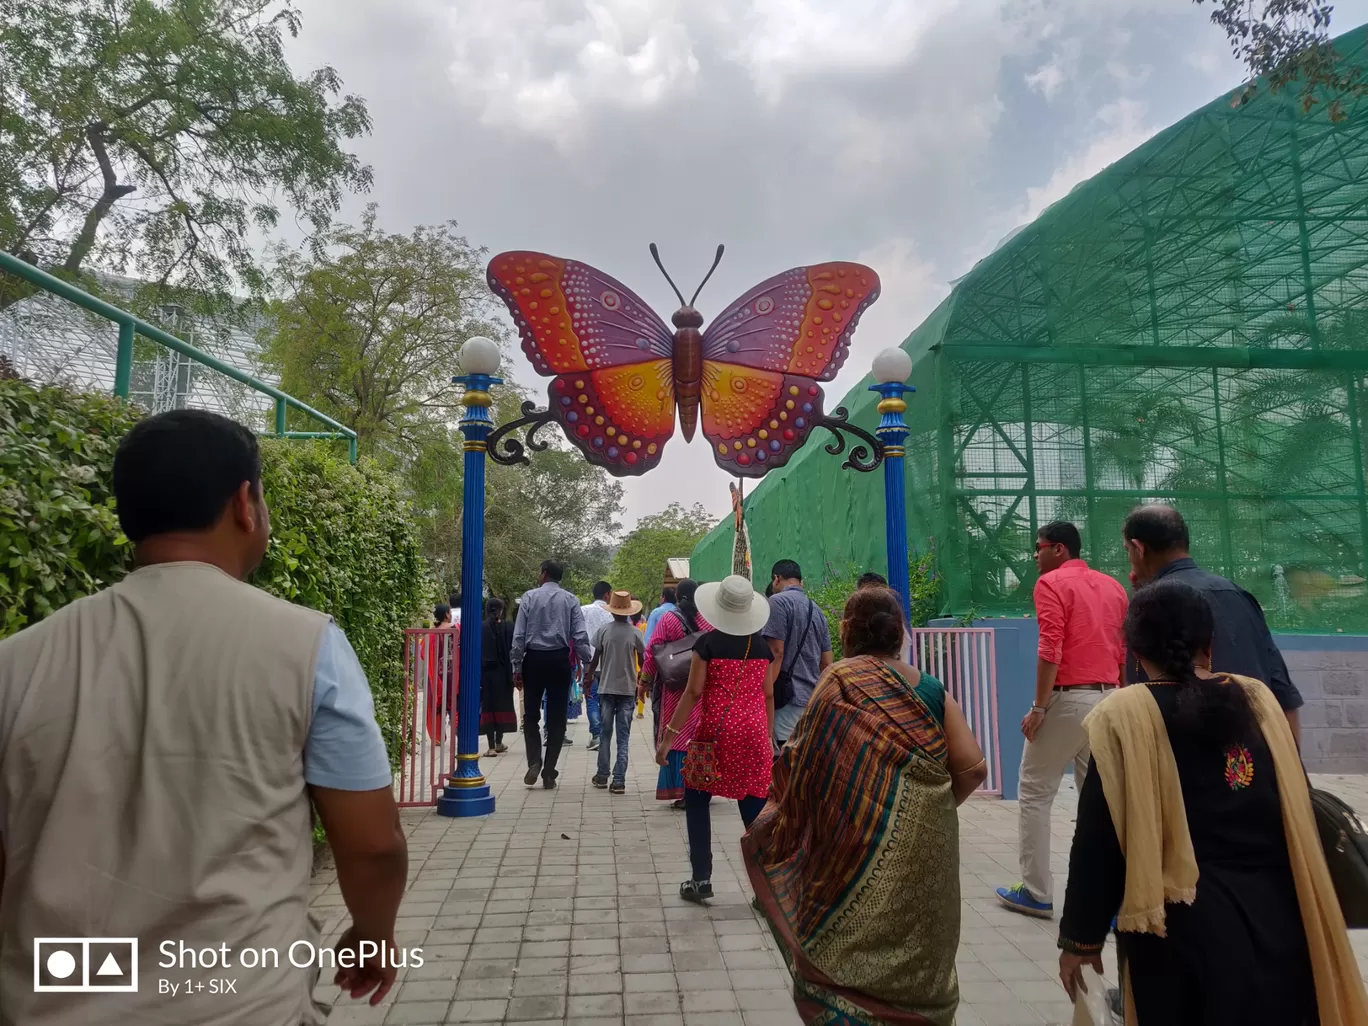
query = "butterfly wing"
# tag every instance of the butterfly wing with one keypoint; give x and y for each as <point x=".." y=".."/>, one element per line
<point x="756" y="419"/>
<point x="610" y="356"/>
<point x="799" y="322"/>
<point x="763" y="357"/>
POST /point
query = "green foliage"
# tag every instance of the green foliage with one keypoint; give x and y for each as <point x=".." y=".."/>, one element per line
<point x="342" y="540"/>
<point x="161" y="133"/>
<point x="368" y="331"/>
<point x="924" y="588"/>
<point x="59" y="537"/>
<point x="1287" y="43"/>
<point x="370" y="324"/>
<point x="639" y="564"/>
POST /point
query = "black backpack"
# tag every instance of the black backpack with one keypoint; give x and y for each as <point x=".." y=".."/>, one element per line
<point x="1345" y="841"/>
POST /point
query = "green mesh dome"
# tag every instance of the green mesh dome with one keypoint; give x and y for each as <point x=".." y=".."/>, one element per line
<point x="1190" y="325"/>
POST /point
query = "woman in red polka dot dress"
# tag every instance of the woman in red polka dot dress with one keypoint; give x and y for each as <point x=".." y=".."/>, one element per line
<point x="730" y="754"/>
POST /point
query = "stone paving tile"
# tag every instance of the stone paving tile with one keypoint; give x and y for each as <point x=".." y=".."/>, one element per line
<point x="563" y="908"/>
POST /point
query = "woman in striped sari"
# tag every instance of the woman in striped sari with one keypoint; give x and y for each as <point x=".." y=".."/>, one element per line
<point x="855" y="860"/>
<point x="672" y="627"/>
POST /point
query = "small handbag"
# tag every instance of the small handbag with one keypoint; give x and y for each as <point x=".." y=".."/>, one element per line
<point x="1345" y="841"/>
<point x="674" y="659"/>
<point x="700" y="758"/>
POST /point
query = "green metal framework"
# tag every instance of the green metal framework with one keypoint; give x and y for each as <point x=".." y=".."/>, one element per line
<point x="1190" y="325"/>
<point x="131" y="326"/>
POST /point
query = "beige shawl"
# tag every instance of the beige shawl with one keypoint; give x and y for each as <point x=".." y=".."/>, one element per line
<point x="1140" y="779"/>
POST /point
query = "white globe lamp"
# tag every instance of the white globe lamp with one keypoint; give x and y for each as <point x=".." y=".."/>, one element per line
<point x="892" y="366"/>
<point x="480" y="355"/>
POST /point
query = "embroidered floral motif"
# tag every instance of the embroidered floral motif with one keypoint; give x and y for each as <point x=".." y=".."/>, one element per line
<point x="1239" y="767"/>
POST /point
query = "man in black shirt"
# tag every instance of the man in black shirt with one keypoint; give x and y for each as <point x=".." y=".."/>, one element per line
<point x="1157" y="542"/>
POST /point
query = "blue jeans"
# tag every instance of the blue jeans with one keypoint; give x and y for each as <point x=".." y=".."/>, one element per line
<point x="617" y="715"/>
<point x="591" y="706"/>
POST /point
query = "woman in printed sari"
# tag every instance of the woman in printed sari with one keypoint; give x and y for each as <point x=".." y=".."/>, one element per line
<point x="855" y="860"/>
<point x="673" y="626"/>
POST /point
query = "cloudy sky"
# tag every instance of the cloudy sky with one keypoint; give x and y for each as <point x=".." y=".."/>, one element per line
<point x="909" y="135"/>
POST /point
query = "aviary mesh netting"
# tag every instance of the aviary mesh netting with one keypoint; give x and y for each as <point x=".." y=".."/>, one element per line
<point x="1190" y="325"/>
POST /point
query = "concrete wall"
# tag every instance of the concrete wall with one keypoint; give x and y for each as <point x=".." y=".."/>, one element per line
<point x="1330" y="671"/>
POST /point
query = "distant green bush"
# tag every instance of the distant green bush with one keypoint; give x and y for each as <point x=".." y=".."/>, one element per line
<point x="341" y="538"/>
<point x="924" y="587"/>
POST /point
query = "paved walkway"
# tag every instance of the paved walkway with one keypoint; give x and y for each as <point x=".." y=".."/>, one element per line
<point x="563" y="907"/>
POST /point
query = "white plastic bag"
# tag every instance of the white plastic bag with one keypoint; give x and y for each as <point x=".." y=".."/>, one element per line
<point x="1090" y="1007"/>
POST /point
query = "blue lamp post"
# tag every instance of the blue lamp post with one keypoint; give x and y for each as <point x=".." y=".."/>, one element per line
<point x="467" y="792"/>
<point x="892" y="368"/>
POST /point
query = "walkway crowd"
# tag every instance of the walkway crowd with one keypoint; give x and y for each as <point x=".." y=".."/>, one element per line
<point x="1196" y="840"/>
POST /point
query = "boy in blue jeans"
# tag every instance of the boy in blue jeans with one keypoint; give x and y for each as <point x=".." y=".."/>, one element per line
<point x="618" y="648"/>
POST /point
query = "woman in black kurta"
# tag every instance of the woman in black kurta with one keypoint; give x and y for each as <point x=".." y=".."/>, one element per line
<point x="1238" y="955"/>
<point x="497" y="715"/>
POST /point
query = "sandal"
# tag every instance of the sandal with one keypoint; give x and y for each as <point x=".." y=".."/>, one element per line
<point x="697" y="891"/>
<point x="678" y="803"/>
<point x="490" y="754"/>
<point x="500" y="748"/>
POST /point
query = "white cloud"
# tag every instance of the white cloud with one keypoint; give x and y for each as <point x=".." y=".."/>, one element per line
<point x="536" y="65"/>
<point x="1124" y="127"/>
<point x="781" y="40"/>
<point x="1050" y="78"/>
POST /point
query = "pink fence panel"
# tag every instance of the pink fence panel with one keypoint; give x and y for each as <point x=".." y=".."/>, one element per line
<point x="962" y="658"/>
<point x="431" y="682"/>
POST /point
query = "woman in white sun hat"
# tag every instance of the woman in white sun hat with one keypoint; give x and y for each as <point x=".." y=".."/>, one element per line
<point x="730" y="755"/>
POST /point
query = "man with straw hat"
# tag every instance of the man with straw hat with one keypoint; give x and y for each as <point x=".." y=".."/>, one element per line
<point x="618" y="648"/>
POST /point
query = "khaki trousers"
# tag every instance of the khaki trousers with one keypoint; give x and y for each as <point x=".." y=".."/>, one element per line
<point x="1061" y="741"/>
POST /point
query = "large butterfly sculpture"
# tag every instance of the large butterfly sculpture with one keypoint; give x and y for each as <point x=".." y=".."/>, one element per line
<point x="619" y="372"/>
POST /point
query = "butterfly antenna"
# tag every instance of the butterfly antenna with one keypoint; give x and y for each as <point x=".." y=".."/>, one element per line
<point x="656" y="254"/>
<point x="716" y="260"/>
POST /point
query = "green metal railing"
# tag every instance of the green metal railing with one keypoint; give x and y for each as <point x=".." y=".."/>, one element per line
<point x="130" y="327"/>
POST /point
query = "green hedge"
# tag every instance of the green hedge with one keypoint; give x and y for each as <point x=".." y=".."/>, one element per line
<point x="341" y="539"/>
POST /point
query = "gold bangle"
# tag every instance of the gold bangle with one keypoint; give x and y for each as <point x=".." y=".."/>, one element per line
<point x="968" y="769"/>
<point x="670" y="730"/>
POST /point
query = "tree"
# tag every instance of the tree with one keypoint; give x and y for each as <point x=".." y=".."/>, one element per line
<point x="158" y="134"/>
<point x="1288" y="41"/>
<point x="370" y="324"/>
<point x="639" y="565"/>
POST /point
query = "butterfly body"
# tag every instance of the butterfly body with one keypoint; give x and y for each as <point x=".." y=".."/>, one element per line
<point x="688" y="368"/>
<point x="750" y="381"/>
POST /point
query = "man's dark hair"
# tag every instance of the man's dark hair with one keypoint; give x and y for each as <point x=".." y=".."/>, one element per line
<point x="177" y="471"/>
<point x="667" y="595"/>
<point x="872" y="580"/>
<point x="553" y="570"/>
<point x="1061" y="532"/>
<point x="787" y="570"/>
<point x="602" y="590"/>
<point x="1158" y="527"/>
<point x="454" y="599"/>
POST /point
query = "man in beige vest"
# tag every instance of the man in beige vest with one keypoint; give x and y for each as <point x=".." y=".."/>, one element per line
<point x="160" y="742"/>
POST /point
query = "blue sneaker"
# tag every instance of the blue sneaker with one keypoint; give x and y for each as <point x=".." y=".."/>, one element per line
<point x="1019" y="899"/>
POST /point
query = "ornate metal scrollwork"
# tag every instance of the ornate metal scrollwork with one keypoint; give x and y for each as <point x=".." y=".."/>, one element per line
<point x="511" y="451"/>
<point x="838" y="422"/>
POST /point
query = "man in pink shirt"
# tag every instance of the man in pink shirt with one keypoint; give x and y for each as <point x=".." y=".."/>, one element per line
<point x="1080" y="659"/>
